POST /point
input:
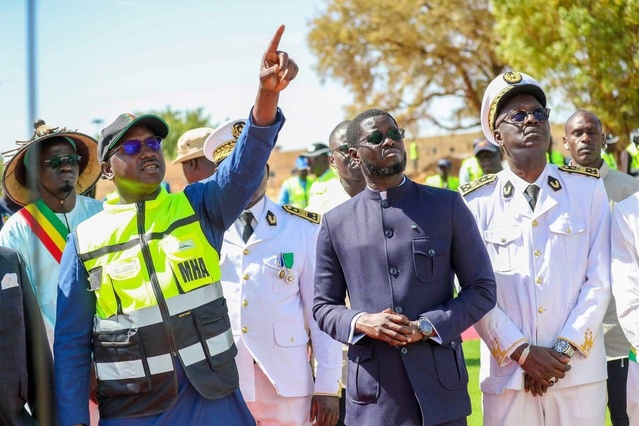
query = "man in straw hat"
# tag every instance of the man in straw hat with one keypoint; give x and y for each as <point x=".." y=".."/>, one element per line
<point x="46" y="175"/>
<point x="547" y="231"/>
<point x="154" y="320"/>
<point x="270" y="299"/>
<point x="195" y="165"/>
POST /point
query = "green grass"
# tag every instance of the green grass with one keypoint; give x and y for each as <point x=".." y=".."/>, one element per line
<point x="471" y="352"/>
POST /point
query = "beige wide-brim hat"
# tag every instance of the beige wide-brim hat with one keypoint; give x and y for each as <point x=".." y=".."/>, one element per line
<point x="191" y="144"/>
<point x="502" y="88"/>
<point x="14" y="178"/>
<point x="221" y="142"/>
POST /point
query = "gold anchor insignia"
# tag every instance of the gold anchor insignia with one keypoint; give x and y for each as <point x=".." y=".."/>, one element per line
<point x="508" y="190"/>
<point x="554" y="183"/>
<point x="271" y="219"/>
<point x="512" y="77"/>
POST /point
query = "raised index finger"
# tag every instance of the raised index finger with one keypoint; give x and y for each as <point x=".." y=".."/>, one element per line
<point x="275" y="42"/>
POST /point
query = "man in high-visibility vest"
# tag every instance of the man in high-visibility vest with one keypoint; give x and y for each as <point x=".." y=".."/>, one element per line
<point x="443" y="179"/>
<point x="318" y="155"/>
<point x="295" y="190"/>
<point x="139" y="292"/>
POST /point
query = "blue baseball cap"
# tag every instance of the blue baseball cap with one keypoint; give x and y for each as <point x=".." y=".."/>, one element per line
<point x="301" y="163"/>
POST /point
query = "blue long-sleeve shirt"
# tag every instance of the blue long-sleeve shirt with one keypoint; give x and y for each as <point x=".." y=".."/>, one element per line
<point x="217" y="201"/>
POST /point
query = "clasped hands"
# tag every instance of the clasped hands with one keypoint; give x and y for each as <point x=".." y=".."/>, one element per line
<point x="542" y="365"/>
<point x="390" y="327"/>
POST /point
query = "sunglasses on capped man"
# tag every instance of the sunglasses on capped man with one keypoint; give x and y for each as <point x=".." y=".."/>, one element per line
<point x="133" y="146"/>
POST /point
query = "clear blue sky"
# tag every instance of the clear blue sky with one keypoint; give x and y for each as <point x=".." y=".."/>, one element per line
<point x="99" y="58"/>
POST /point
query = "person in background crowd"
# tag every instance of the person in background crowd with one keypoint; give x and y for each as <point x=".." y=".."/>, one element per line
<point x="413" y="154"/>
<point x="295" y="190"/>
<point x="397" y="261"/>
<point x="443" y="179"/>
<point x="46" y="175"/>
<point x="469" y="169"/>
<point x="26" y="369"/>
<point x="318" y="156"/>
<point x="608" y="151"/>
<point x="270" y="301"/>
<point x="629" y="157"/>
<point x="584" y="140"/>
<point x="195" y="165"/>
<point x="489" y="157"/>
<point x="350" y="180"/>
<point x="553" y="156"/>
<point x="139" y="293"/>
<point x="547" y="231"/>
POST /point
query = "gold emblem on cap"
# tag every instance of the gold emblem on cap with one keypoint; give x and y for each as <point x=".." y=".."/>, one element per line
<point x="225" y="149"/>
<point x="512" y="77"/>
<point x="236" y="131"/>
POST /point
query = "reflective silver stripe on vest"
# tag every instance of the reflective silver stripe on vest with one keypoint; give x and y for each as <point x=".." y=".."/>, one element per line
<point x="218" y="344"/>
<point x="120" y="370"/>
<point x="151" y="315"/>
<point x="194" y="299"/>
<point x="133" y="369"/>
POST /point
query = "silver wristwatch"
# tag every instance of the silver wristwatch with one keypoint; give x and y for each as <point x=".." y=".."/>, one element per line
<point x="562" y="346"/>
<point x="425" y="326"/>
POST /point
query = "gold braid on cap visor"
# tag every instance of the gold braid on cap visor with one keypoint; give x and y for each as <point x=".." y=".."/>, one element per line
<point x="224" y="150"/>
<point x="492" y="112"/>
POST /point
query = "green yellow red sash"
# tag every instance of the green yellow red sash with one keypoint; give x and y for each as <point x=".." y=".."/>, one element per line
<point x="47" y="227"/>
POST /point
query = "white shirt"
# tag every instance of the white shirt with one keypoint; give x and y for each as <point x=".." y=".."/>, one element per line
<point x="552" y="272"/>
<point x="41" y="266"/>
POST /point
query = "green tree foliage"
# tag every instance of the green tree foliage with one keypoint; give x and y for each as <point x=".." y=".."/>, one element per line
<point x="588" y="49"/>
<point x="402" y="55"/>
<point x="179" y="122"/>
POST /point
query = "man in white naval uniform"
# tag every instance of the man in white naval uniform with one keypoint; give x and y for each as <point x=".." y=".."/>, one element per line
<point x="268" y="284"/>
<point x="625" y="288"/>
<point x="550" y="251"/>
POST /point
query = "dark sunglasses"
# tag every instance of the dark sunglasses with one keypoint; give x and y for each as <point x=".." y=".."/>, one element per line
<point x="519" y="116"/>
<point x="133" y="146"/>
<point x="342" y="149"/>
<point x="376" y="138"/>
<point x="57" y="161"/>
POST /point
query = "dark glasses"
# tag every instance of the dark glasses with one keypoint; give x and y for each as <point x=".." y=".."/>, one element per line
<point x="342" y="149"/>
<point x="376" y="138"/>
<point x="519" y="116"/>
<point x="57" y="161"/>
<point x="133" y="146"/>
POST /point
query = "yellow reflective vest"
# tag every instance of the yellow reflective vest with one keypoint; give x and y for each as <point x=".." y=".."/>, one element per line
<point x="158" y="302"/>
<point x="297" y="194"/>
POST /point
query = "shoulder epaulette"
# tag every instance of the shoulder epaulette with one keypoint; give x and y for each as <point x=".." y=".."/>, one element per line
<point x="469" y="187"/>
<point x="586" y="171"/>
<point x="310" y="216"/>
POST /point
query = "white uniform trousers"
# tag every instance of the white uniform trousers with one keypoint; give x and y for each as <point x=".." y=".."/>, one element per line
<point x="583" y="405"/>
<point x="632" y="393"/>
<point x="272" y="409"/>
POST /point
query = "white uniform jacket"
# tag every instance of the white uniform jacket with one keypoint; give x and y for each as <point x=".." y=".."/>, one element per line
<point x="268" y="285"/>
<point x="625" y="265"/>
<point x="552" y="268"/>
